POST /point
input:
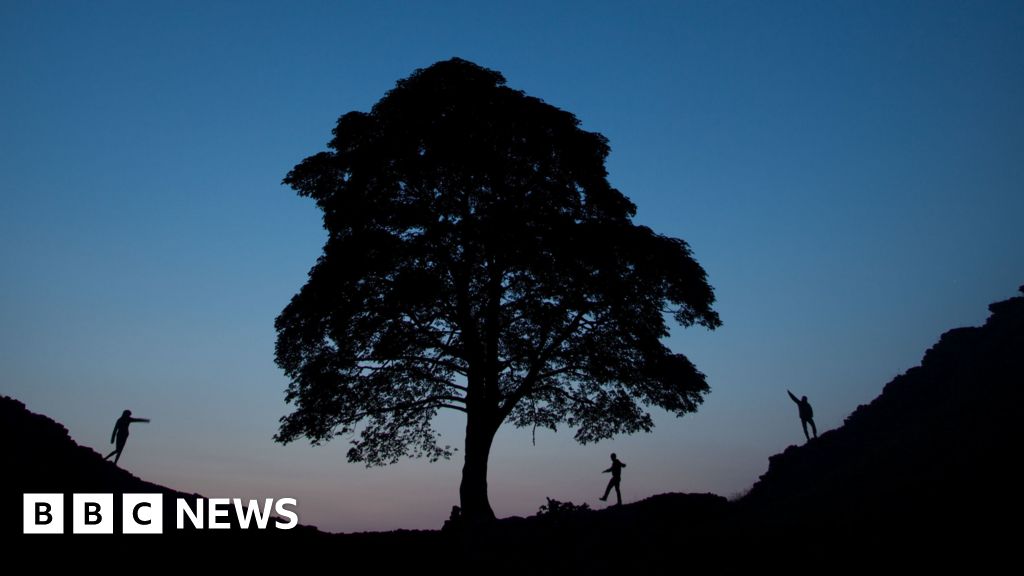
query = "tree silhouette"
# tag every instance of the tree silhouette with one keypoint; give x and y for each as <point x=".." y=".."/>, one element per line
<point x="478" y="260"/>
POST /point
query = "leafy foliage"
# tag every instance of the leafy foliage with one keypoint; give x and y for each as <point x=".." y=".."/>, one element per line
<point x="557" y="508"/>
<point x="478" y="260"/>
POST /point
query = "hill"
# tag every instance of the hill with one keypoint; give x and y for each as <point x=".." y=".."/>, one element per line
<point x="930" y="458"/>
<point x="923" y="473"/>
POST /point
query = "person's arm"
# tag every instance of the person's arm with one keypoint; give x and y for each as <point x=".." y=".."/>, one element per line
<point x="604" y="471"/>
<point x="113" y="434"/>
<point x="623" y="463"/>
<point x="140" y="419"/>
<point x="793" y="397"/>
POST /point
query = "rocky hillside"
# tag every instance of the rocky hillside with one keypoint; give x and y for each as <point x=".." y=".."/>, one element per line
<point x="921" y="475"/>
<point x="41" y="457"/>
<point x="933" y="455"/>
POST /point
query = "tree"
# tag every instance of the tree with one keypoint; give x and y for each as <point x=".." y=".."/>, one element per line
<point x="478" y="260"/>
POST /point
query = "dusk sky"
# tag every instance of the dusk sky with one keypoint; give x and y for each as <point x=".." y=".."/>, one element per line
<point x="850" y="175"/>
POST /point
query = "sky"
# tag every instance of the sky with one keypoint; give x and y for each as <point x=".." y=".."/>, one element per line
<point x="850" y="175"/>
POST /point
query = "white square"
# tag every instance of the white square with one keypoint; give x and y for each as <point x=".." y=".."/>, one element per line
<point x="142" y="513"/>
<point x="92" y="514"/>
<point x="46" y="507"/>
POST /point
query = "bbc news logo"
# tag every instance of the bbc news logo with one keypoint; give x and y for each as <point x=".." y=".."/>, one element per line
<point x="143" y="513"/>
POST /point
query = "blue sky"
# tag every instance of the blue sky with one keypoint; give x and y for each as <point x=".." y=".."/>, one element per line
<point x="850" y="174"/>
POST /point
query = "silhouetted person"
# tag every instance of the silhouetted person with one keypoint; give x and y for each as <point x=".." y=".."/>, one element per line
<point x="806" y="414"/>
<point x="616" y="470"/>
<point x="120" y="433"/>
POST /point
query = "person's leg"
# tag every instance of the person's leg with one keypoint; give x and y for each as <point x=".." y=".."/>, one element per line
<point x="804" y="423"/>
<point x="120" y="447"/>
<point x="618" y="493"/>
<point x="813" y="427"/>
<point x="112" y="452"/>
<point x="608" y="489"/>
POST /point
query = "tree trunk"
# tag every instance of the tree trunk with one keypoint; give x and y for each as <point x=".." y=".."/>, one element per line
<point x="476" y="507"/>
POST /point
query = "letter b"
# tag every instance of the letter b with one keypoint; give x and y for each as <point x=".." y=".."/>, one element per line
<point x="92" y="514"/>
<point x="43" y="514"/>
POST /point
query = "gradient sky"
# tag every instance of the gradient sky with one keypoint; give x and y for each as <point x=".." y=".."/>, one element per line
<point x="850" y="174"/>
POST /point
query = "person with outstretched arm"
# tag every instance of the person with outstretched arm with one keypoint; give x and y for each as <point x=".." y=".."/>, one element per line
<point x="806" y="414"/>
<point x="616" y="470"/>
<point x="120" y="433"/>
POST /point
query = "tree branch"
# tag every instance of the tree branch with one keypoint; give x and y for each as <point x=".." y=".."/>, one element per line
<point x="425" y="359"/>
<point x="413" y="405"/>
<point x="531" y="377"/>
<point x="545" y="375"/>
<point x="573" y="397"/>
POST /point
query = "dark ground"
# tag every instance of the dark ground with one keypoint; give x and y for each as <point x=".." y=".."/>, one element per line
<point x="923" y="476"/>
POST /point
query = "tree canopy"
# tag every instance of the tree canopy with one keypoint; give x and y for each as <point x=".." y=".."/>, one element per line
<point x="478" y="260"/>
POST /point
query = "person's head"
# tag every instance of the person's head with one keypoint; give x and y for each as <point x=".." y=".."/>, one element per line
<point x="613" y="456"/>
<point x="127" y="413"/>
<point x="803" y="398"/>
